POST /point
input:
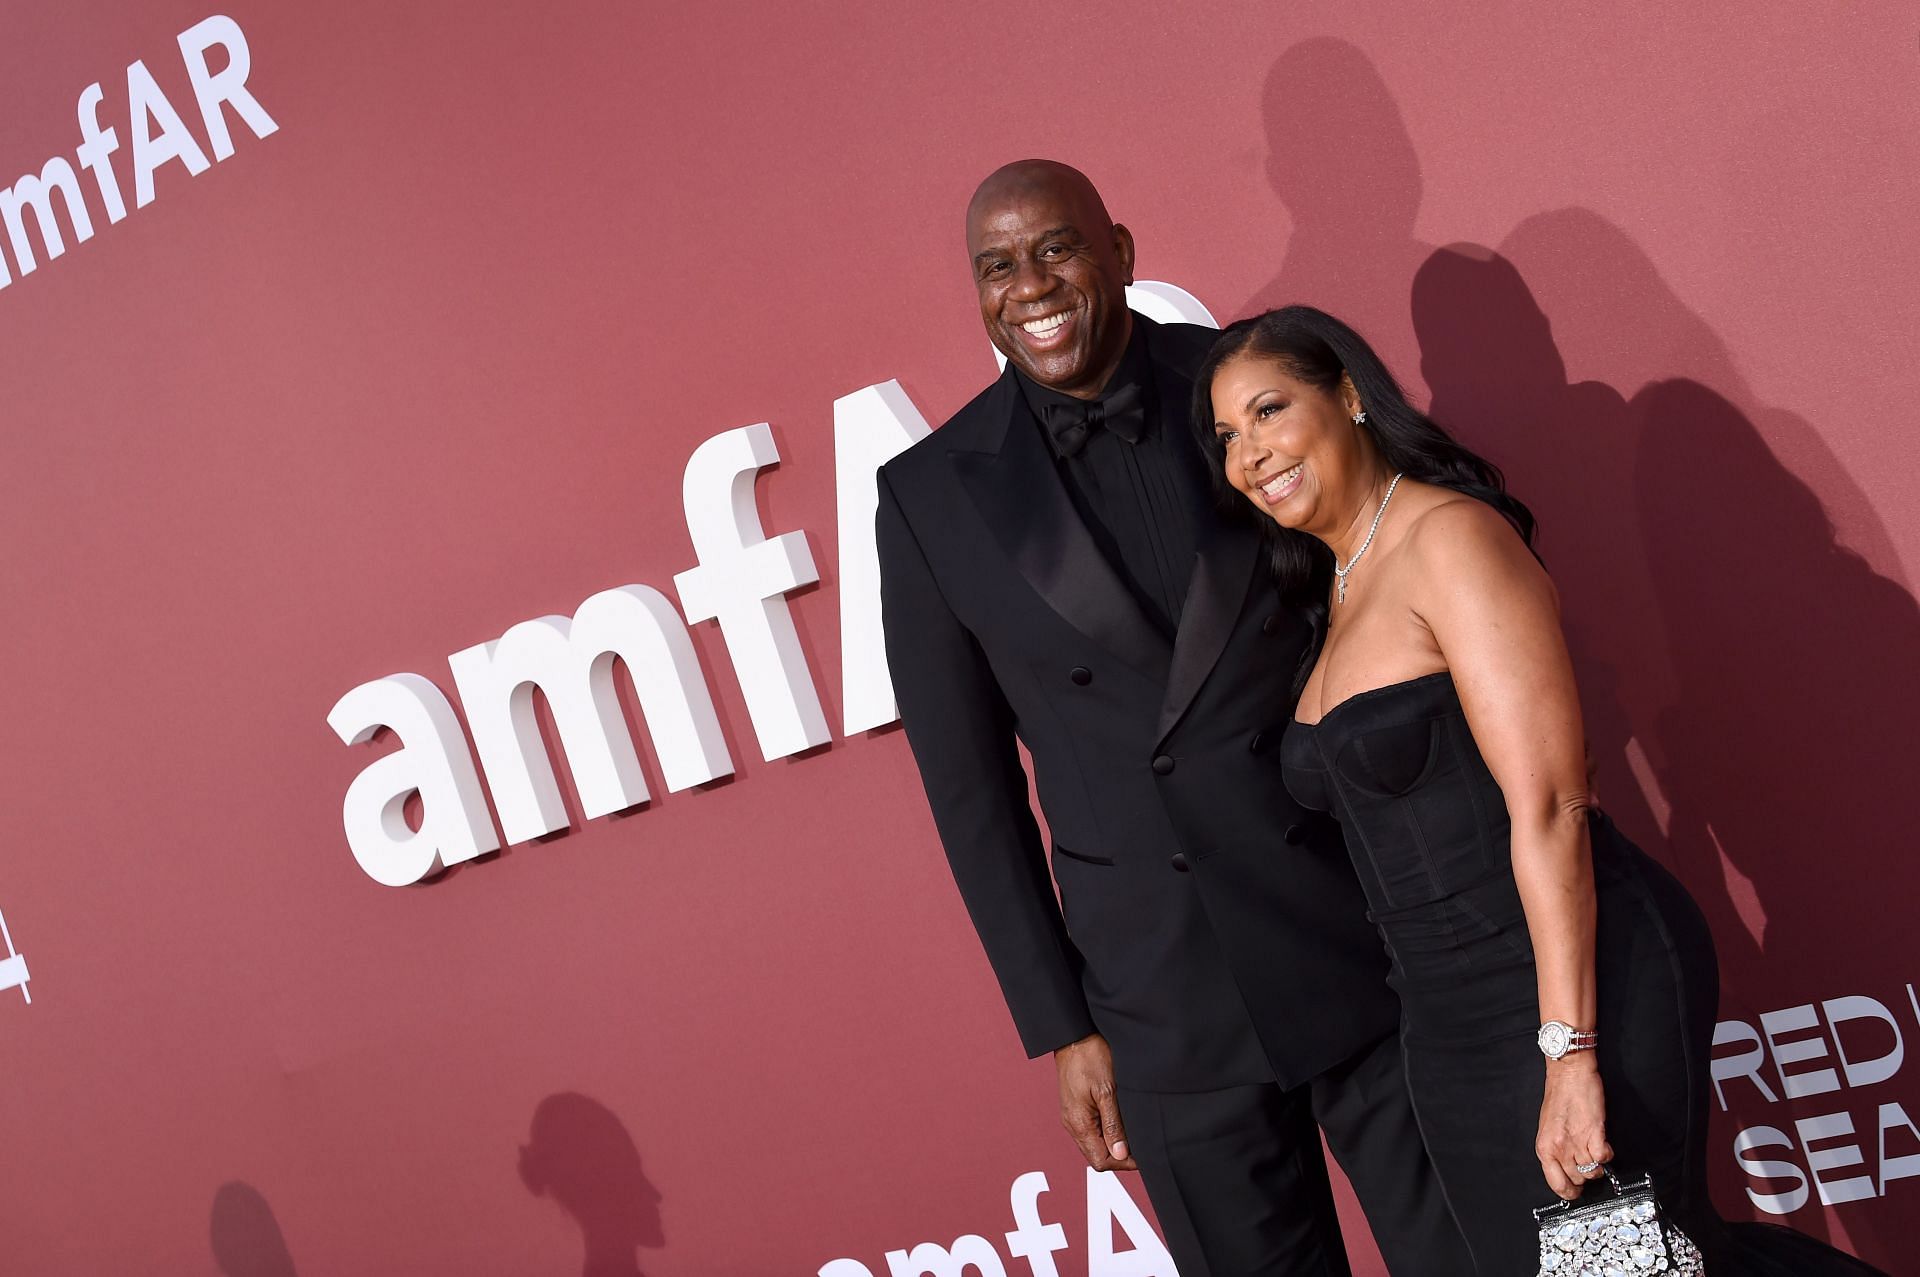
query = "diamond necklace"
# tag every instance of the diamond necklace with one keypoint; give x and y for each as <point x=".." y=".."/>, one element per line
<point x="1341" y="572"/>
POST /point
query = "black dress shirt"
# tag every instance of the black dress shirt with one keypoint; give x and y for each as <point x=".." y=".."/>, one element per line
<point x="1138" y="499"/>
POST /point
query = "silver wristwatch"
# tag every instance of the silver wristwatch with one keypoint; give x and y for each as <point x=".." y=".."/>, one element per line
<point x="1558" y="1039"/>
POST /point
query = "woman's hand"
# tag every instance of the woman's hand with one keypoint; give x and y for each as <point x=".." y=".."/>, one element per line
<point x="1573" y="1125"/>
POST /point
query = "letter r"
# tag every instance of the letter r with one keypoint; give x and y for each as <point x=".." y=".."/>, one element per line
<point x="210" y="89"/>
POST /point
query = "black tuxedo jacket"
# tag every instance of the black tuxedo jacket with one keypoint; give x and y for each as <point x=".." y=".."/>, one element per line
<point x="1207" y="926"/>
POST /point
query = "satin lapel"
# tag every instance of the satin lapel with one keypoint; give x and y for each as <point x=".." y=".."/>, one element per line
<point x="1223" y="568"/>
<point x="1223" y="573"/>
<point x="1018" y="492"/>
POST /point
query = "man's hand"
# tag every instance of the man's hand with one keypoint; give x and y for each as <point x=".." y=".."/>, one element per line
<point x="1089" y="1109"/>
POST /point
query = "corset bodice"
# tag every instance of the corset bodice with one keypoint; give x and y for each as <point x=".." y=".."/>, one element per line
<point x="1399" y="769"/>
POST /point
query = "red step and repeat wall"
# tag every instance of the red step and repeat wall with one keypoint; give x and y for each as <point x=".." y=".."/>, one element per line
<point x="362" y="361"/>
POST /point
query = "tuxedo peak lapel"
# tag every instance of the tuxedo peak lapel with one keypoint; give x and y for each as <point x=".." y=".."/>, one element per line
<point x="1223" y="572"/>
<point x="1010" y="475"/>
<point x="1223" y="567"/>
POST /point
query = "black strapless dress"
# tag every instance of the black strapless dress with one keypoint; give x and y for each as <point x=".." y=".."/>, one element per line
<point x="1427" y="829"/>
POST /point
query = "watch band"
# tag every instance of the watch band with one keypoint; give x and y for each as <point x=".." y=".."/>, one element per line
<point x="1558" y="1039"/>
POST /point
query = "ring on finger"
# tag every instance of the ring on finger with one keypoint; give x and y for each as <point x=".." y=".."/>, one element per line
<point x="1586" y="1168"/>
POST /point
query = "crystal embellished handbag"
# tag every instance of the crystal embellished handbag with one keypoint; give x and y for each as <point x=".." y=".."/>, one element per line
<point x="1618" y="1236"/>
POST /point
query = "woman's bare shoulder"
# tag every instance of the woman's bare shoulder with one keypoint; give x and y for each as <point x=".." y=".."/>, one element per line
<point x="1460" y="538"/>
<point x="1445" y="521"/>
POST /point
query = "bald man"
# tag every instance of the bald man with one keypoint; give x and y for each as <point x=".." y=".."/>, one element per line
<point x="1052" y="573"/>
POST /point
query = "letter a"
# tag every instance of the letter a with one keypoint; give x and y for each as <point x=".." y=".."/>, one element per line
<point x="1107" y="1205"/>
<point x="870" y="428"/>
<point x="146" y="103"/>
<point x="432" y="760"/>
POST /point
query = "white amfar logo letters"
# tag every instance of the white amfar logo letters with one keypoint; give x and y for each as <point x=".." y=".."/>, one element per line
<point x="741" y="583"/>
<point x="147" y="107"/>
<point x="13" y="967"/>
<point x="1110" y="1211"/>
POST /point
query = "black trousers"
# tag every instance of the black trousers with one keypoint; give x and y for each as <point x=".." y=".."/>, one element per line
<point x="1239" y="1182"/>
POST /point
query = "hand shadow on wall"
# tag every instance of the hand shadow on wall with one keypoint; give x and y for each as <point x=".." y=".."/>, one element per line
<point x="246" y="1237"/>
<point x="581" y="1155"/>
<point x="1737" y="661"/>
<point x="1340" y="159"/>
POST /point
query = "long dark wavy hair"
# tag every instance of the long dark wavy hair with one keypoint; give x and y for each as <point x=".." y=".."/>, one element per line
<point x="1318" y="349"/>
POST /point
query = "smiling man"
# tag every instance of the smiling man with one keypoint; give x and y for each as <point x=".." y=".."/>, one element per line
<point x="1065" y="322"/>
<point x="1053" y="574"/>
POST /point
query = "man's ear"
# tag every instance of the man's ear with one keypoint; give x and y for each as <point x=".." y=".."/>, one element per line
<point x="1123" y="249"/>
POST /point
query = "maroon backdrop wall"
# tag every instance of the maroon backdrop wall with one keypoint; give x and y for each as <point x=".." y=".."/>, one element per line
<point x="429" y="359"/>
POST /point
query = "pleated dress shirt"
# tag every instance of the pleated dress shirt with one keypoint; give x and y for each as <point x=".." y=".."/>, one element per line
<point x="1138" y="496"/>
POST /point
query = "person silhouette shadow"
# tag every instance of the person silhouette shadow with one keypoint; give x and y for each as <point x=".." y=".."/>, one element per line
<point x="246" y="1238"/>
<point x="1341" y="161"/>
<point x="1498" y="382"/>
<point x="1750" y="662"/>
<point x="1794" y="660"/>
<point x="1780" y="754"/>
<point x="580" y="1154"/>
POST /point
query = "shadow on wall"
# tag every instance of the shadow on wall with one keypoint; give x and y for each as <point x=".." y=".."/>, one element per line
<point x="1743" y="666"/>
<point x="1743" y="670"/>
<point x="246" y="1237"/>
<point x="1340" y="159"/>
<point x="1499" y="382"/>
<point x="581" y="1156"/>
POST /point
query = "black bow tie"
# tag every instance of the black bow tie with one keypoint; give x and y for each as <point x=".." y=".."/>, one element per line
<point x="1124" y="412"/>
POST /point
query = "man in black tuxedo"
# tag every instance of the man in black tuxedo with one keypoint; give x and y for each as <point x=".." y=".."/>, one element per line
<point x="1053" y="571"/>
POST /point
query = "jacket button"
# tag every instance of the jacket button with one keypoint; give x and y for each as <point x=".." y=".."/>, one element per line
<point x="1081" y="675"/>
<point x="1295" y="835"/>
<point x="1270" y="626"/>
<point x="1258" y="743"/>
<point x="1179" y="861"/>
<point x="1163" y="765"/>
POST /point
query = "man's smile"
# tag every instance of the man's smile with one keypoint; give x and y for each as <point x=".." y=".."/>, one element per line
<point x="1049" y="331"/>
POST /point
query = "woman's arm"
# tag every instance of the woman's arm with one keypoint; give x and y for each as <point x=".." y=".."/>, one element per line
<point x="1495" y="615"/>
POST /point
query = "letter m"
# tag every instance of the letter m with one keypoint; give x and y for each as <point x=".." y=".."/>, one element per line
<point x="37" y="193"/>
<point x="928" y="1260"/>
<point x="571" y="662"/>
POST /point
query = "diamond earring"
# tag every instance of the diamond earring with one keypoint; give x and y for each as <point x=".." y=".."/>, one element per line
<point x="1360" y="418"/>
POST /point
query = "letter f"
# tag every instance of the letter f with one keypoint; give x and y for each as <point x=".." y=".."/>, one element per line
<point x="742" y="582"/>
<point x="1030" y="1239"/>
<point x="96" y="144"/>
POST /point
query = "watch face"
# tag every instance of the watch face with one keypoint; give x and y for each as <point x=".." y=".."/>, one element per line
<point x="1554" y="1039"/>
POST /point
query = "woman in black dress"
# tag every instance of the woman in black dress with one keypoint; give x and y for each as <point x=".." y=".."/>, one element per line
<point x="1557" y="986"/>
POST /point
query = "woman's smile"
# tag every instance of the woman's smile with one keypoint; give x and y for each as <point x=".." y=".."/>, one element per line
<point x="1282" y="485"/>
